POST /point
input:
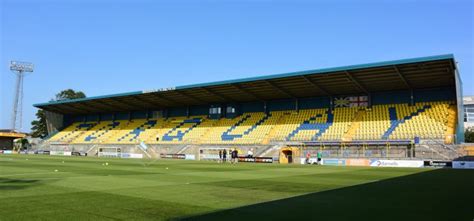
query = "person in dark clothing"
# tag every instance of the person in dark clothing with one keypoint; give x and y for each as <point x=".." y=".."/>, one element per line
<point x="224" y="155"/>
<point x="234" y="156"/>
<point x="220" y="156"/>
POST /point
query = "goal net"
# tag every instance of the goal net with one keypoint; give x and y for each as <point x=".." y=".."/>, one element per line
<point x="110" y="152"/>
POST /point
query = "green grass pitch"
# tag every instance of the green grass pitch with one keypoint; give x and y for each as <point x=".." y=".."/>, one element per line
<point x="126" y="189"/>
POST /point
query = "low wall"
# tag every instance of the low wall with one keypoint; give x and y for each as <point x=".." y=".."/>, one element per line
<point x="366" y="162"/>
<point x="463" y="164"/>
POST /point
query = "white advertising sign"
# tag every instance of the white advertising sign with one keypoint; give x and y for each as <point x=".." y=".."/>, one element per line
<point x="396" y="163"/>
<point x="190" y="157"/>
<point x="59" y="153"/>
<point x="7" y="152"/>
<point x="136" y="155"/>
<point x="463" y="164"/>
<point x="209" y="156"/>
<point x="132" y="155"/>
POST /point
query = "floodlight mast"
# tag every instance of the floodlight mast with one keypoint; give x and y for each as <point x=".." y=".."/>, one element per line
<point x="20" y="69"/>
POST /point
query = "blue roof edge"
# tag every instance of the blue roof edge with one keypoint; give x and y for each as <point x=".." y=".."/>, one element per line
<point x="323" y="70"/>
<point x="269" y="77"/>
<point x="87" y="98"/>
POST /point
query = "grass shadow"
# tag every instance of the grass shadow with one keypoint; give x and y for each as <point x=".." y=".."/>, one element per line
<point x="16" y="184"/>
<point x="443" y="194"/>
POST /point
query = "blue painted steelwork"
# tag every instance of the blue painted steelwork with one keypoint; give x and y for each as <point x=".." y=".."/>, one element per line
<point x="358" y="142"/>
<point x="266" y="77"/>
<point x="85" y="125"/>
<point x="88" y="98"/>
<point x="322" y="71"/>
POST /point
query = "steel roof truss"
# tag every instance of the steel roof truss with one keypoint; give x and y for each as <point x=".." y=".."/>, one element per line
<point x="357" y="83"/>
<point x="399" y="73"/>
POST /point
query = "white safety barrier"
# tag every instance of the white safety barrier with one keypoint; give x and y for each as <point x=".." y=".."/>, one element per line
<point x="396" y="163"/>
<point x="463" y="164"/>
<point x="60" y="153"/>
<point x="132" y="155"/>
<point x="190" y="157"/>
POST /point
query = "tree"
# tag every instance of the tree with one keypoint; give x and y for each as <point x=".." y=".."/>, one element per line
<point x="69" y="94"/>
<point x="39" y="128"/>
<point x="22" y="143"/>
<point x="469" y="136"/>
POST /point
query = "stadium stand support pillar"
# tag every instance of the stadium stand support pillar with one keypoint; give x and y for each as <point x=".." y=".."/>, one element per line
<point x="114" y="116"/>
<point x="54" y="122"/>
<point x="129" y="115"/>
<point x="187" y="111"/>
<point x="412" y="98"/>
<point x="297" y="106"/>
<point x="413" y="149"/>
<point x="265" y="109"/>
<point x="331" y="102"/>
<point x="369" y="99"/>
<point x="408" y="152"/>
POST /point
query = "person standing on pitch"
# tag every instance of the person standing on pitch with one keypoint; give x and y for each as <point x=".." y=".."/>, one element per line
<point x="234" y="156"/>
<point x="224" y="156"/>
<point x="231" y="156"/>
<point x="220" y="156"/>
<point x="320" y="155"/>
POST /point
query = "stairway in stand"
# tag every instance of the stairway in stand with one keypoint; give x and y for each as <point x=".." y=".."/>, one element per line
<point x="273" y="130"/>
<point x="354" y="125"/>
<point x="451" y="125"/>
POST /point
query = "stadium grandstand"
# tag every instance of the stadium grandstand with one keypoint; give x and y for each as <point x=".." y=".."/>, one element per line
<point x="7" y="138"/>
<point x="410" y="108"/>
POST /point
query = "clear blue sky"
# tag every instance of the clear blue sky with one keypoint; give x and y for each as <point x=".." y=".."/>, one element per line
<point x="104" y="46"/>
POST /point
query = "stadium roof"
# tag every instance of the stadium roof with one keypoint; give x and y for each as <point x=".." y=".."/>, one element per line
<point x="11" y="134"/>
<point x="468" y="100"/>
<point x="415" y="73"/>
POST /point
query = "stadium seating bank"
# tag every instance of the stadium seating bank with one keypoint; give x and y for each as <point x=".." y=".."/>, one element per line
<point x="397" y="109"/>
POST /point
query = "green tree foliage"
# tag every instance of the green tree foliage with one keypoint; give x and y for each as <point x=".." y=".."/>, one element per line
<point x="39" y="128"/>
<point x="469" y="136"/>
<point x="69" y="94"/>
<point x="22" y="143"/>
